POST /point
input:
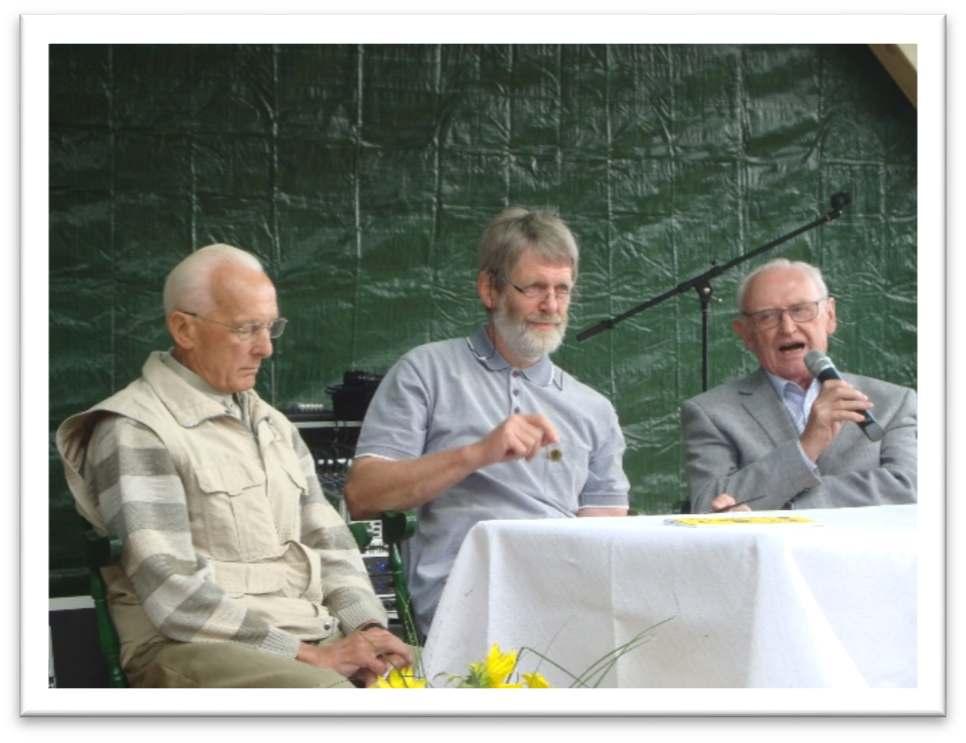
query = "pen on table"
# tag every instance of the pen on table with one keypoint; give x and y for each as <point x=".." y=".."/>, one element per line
<point x="739" y="503"/>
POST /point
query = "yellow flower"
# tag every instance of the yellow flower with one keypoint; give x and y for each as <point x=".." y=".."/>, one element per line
<point x="535" y="681"/>
<point x="499" y="664"/>
<point x="499" y="670"/>
<point x="401" y="679"/>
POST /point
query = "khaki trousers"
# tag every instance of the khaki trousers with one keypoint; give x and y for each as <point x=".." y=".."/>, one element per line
<point x="225" y="665"/>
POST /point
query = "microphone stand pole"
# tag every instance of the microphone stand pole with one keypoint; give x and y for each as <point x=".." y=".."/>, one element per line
<point x="702" y="283"/>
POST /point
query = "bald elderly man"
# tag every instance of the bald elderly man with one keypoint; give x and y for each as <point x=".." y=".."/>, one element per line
<point x="235" y="570"/>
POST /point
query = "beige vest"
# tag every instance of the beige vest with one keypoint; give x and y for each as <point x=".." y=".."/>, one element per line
<point x="243" y="495"/>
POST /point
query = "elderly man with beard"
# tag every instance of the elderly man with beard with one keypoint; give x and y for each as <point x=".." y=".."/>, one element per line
<point x="487" y="427"/>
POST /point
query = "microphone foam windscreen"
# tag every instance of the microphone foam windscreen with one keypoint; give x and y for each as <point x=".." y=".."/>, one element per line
<point x="816" y="362"/>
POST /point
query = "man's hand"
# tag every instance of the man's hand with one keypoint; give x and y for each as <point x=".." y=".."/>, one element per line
<point x="518" y="437"/>
<point x="360" y="657"/>
<point x="838" y="402"/>
<point x="726" y="502"/>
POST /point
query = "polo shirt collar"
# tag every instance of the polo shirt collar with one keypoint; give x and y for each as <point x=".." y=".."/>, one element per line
<point x="542" y="373"/>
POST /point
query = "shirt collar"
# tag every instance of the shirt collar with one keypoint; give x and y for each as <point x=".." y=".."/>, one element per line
<point x="779" y="384"/>
<point x="542" y="373"/>
<point x="190" y="398"/>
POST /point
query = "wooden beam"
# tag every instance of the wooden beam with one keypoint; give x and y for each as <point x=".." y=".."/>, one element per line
<point x="900" y="62"/>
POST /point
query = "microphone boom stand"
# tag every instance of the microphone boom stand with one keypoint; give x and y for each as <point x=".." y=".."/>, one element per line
<point x="702" y="283"/>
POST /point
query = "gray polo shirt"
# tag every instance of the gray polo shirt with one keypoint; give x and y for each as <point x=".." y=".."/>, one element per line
<point x="452" y="393"/>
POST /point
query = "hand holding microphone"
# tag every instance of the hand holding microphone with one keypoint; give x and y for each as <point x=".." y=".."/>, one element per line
<point x="838" y="403"/>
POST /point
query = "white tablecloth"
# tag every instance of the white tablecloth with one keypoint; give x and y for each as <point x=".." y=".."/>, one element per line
<point x="832" y="604"/>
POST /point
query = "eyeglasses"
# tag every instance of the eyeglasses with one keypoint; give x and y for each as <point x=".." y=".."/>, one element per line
<point x="802" y="312"/>
<point x="561" y="292"/>
<point x="248" y="331"/>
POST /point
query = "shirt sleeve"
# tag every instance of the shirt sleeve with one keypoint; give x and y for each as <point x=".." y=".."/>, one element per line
<point x="397" y="419"/>
<point x="607" y="485"/>
<point x="891" y="482"/>
<point x="142" y="500"/>
<point x="346" y="588"/>
<point x="805" y="459"/>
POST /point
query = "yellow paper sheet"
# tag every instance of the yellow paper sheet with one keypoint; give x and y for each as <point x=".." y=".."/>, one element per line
<point x="732" y="520"/>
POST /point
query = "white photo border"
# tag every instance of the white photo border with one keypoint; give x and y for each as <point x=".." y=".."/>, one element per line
<point x="928" y="32"/>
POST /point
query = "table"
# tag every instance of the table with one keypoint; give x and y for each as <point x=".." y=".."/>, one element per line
<point x="831" y="603"/>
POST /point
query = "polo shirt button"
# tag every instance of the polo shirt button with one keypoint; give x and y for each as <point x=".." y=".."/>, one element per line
<point x="516" y="374"/>
<point x="516" y="410"/>
<point x="516" y="392"/>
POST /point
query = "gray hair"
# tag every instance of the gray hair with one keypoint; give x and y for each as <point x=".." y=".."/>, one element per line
<point x="515" y="230"/>
<point x="811" y="271"/>
<point x="188" y="285"/>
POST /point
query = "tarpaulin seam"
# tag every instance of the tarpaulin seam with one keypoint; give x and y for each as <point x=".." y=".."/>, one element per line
<point x="505" y="147"/>
<point x="357" y="202"/>
<point x="273" y="174"/>
<point x="609" y="230"/>
<point x="112" y="129"/>
<point x="437" y="196"/>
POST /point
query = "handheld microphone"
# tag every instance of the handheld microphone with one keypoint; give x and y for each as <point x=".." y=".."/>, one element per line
<point x="822" y="368"/>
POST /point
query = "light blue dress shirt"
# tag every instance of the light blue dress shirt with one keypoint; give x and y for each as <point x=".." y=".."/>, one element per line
<point x="798" y="403"/>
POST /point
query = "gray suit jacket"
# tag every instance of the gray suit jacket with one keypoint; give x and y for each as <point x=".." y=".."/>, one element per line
<point x="740" y="439"/>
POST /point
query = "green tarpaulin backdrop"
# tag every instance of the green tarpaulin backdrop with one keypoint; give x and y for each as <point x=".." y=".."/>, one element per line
<point x="363" y="176"/>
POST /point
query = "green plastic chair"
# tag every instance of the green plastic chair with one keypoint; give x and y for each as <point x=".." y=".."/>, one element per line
<point x="101" y="551"/>
<point x="397" y="526"/>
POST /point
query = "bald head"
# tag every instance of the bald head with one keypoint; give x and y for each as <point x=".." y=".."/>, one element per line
<point x="221" y="307"/>
<point x="810" y="271"/>
<point x="189" y="284"/>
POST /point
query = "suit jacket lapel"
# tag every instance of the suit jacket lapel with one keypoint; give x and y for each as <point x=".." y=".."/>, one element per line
<point x="759" y="399"/>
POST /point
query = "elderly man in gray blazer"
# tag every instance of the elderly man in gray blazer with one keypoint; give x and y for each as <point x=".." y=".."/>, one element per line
<point x="780" y="437"/>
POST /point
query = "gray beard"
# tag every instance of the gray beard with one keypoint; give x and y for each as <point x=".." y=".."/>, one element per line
<point x="524" y="342"/>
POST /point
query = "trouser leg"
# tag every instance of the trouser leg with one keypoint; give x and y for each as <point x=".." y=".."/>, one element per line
<point x="225" y="665"/>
